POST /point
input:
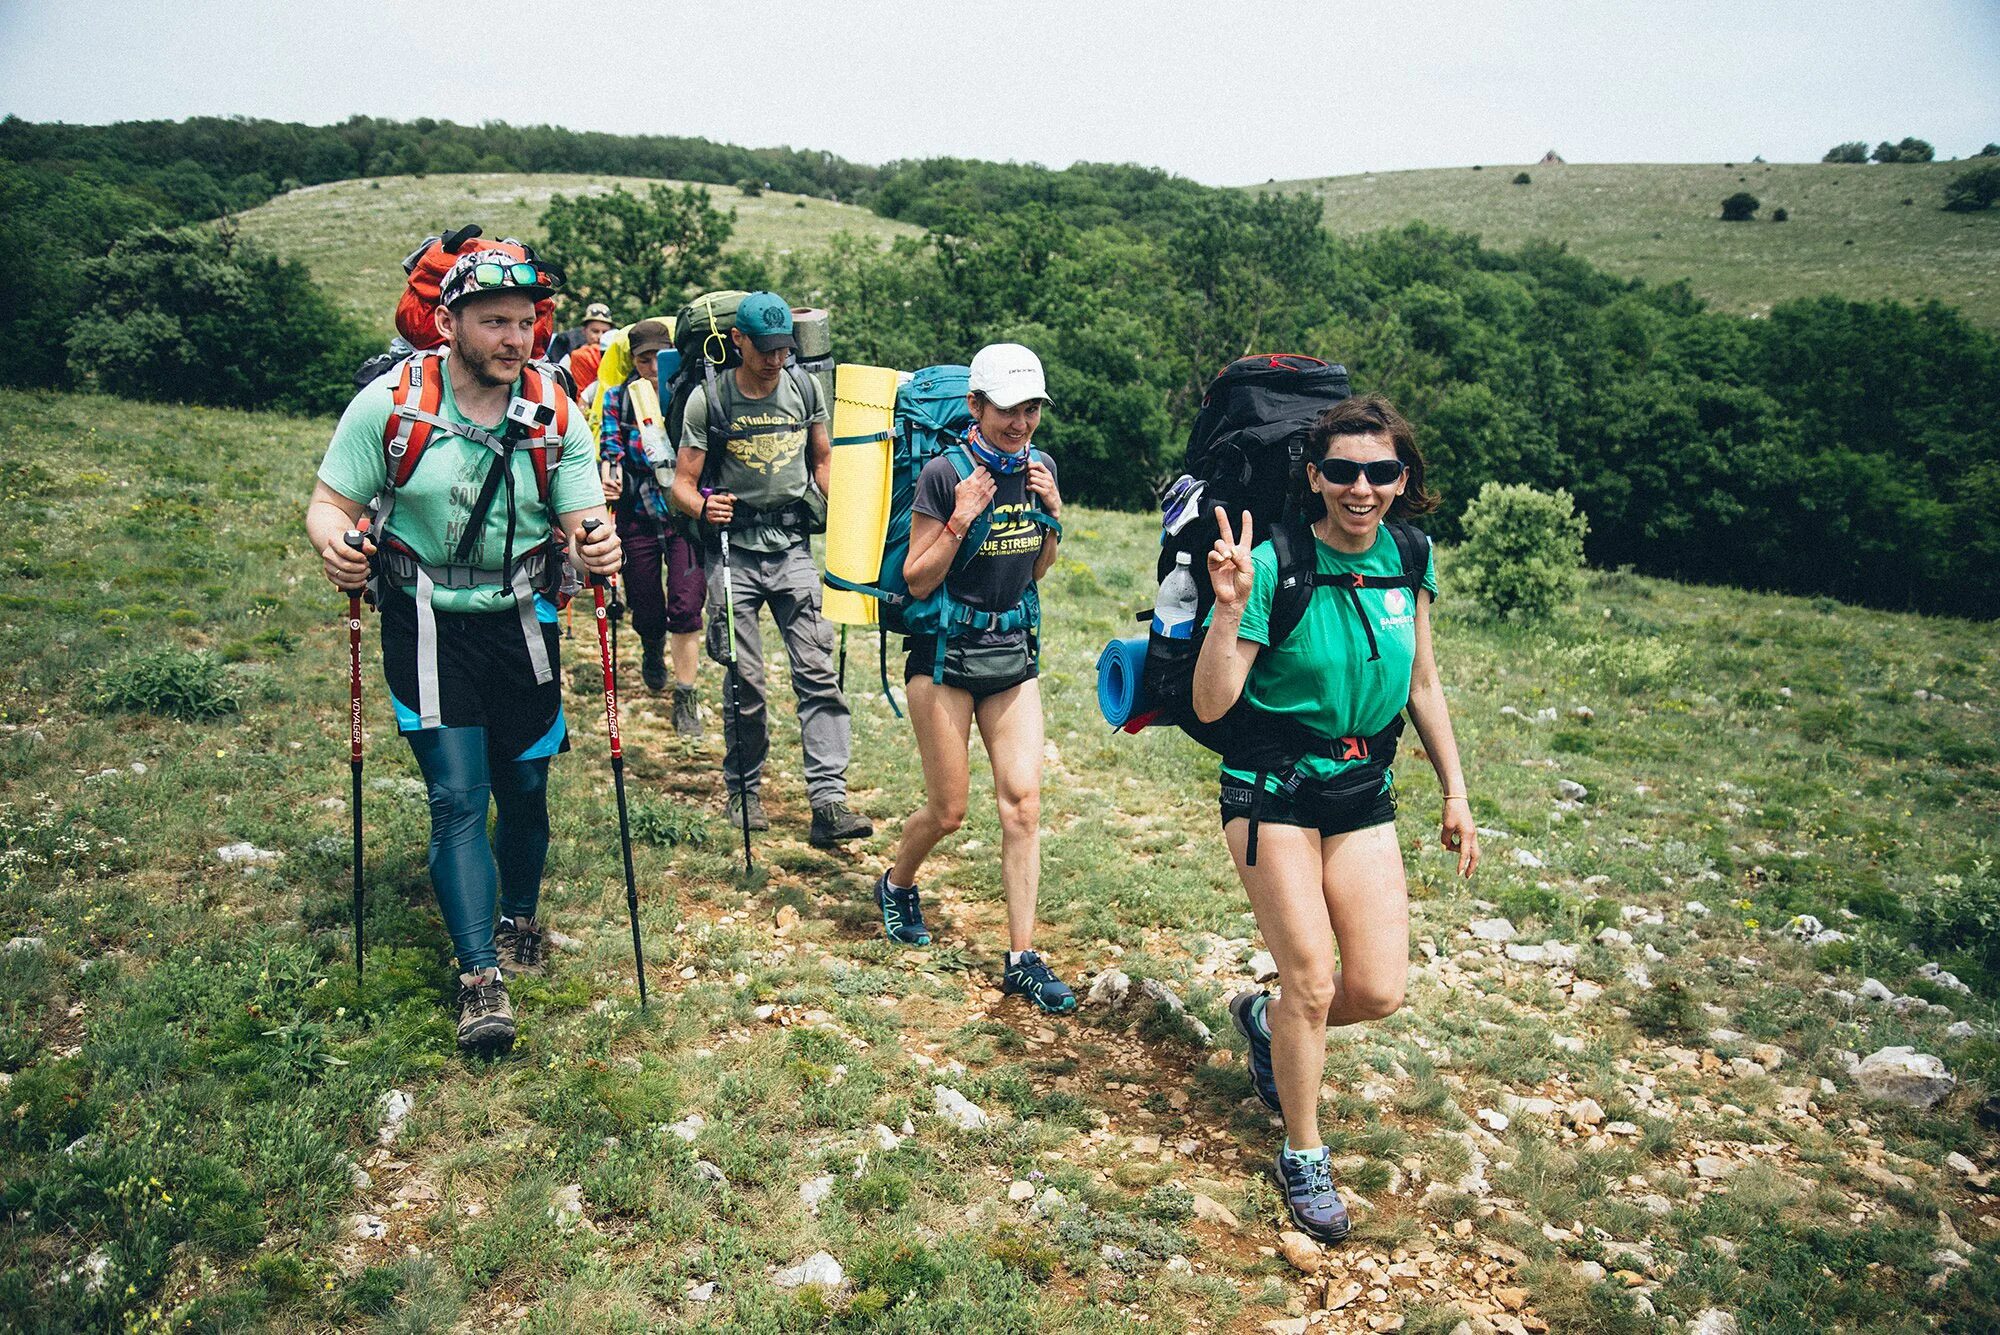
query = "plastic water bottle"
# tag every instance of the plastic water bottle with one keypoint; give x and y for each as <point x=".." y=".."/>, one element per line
<point x="1173" y="614"/>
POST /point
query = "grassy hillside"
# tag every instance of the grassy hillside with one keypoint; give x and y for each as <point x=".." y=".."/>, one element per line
<point x="1661" y="222"/>
<point x="339" y="229"/>
<point x="193" y="1081"/>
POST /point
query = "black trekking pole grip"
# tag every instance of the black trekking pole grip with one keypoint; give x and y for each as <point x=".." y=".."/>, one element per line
<point x="597" y="586"/>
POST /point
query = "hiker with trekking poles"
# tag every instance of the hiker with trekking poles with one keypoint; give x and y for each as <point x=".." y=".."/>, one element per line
<point x="1319" y="638"/>
<point x="467" y="562"/>
<point x="751" y="475"/>
<point x="983" y="530"/>
<point x="664" y="582"/>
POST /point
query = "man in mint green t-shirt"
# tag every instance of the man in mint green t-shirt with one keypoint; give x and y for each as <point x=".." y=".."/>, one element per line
<point x="492" y="458"/>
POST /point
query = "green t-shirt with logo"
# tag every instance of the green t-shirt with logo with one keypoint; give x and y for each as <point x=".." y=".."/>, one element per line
<point x="434" y="506"/>
<point x="1321" y="675"/>
<point x="769" y="469"/>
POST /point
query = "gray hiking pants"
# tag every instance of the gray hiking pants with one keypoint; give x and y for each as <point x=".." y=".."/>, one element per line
<point x="788" y="583"/>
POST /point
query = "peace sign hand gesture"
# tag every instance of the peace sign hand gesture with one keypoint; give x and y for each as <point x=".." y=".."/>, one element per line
<point x="1230" y="572"/>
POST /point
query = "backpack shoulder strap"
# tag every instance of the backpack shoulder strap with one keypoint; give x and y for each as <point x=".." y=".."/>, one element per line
<point x="1413" y="545"/>
<point x="414" y="403"/>
<point x="545" y="443"/>
<point x="963" y="463"/>
<point x="1298" y="561"/>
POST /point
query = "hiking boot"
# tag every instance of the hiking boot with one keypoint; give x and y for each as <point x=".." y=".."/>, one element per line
<point x="834" y="823"/>
<point x="1307" y="1186"/>
<point x="521" y="944"/>
<point x="687" y="711"/>
<point x="653" y="661"/>
<point x="1251" y="1011"/>
<point x="902" y="913"/>
<point x="485" y="1016"/>
<point x="1031" y="978"/>
<point x="758" y="820"/>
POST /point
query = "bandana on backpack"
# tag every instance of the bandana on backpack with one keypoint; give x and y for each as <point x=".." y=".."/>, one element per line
<point x="998" y="460"/>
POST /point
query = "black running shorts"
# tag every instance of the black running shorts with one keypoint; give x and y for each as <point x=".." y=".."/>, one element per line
<point x="485" y="678"/>
<point x="1309" y="810"/>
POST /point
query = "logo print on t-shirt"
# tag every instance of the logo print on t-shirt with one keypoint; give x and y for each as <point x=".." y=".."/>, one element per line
<point x="1395" y="602"/>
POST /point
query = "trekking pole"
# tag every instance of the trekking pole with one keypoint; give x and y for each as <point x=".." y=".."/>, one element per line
<point x="730" y="687"/>
<point x="604" y="651"/>
<point x="353" y="539"/>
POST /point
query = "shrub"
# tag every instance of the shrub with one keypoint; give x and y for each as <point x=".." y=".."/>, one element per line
<point x="1973" y="189"/>
<point x="1854" y="151"/>
<point x="1779" y="215"/>
<point x="198" y="315"/>
<point x="1631" y="667"/>
<point x="1523" y="550"/>
<point x="1740" y="207"/>
<point x="1990" y="151"/>
<point x="668" y="823"/>
<point x="1522" y="178"/>
<point x="636" y="252"/>
<point x="169" y="680"/>
<point x="1907" y="149"/>
<point x="1961" y="915"/>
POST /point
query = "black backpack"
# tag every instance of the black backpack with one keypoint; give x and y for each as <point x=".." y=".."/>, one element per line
<point x="1246" y="452"/>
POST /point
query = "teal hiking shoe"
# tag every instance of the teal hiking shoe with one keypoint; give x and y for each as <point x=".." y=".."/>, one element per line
<point x="1307" y="1184"/>
<point x="1030" y="978"/>
<point x="1249" y="1010"/>
<point x="902" y="913"/>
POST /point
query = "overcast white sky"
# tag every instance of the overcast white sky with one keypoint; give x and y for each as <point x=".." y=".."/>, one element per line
<point x="1226" y="92"/>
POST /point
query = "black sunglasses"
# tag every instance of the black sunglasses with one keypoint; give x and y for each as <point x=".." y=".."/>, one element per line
<point x="1344" y="472"/>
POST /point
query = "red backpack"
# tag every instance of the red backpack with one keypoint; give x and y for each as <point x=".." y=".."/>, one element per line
<point x="429" y="263"/>
<point x="413" y="417"/>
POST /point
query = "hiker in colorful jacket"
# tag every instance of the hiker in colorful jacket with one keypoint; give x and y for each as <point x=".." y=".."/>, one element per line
<point x="664" y="583"/>
<point x="1314" y="840"/>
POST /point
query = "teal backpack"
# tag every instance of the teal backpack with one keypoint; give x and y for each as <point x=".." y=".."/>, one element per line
<point x="931" y="420"/>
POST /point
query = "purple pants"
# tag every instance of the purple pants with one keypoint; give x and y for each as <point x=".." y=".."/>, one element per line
<point x="656" y="610"/>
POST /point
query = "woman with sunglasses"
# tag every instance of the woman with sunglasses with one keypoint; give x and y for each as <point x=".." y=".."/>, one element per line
<point x="1312" y="827"/>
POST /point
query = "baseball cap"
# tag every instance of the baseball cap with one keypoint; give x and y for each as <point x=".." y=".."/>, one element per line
<point x="494" y="271"/>
<point x="597" y="310"/>
<point x="648" y="336"/>
<point x="766" y="320"/>
<point x="1007" y="374"/>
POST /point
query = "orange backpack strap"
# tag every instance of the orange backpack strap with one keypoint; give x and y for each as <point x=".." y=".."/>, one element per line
<point x="545" y="446"/>
<point x="418" y="394"/>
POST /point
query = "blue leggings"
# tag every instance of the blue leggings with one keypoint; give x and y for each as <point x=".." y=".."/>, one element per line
<point x="467" y="871"/>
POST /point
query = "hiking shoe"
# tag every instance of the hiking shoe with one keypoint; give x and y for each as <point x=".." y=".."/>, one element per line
<point x="521" y="945"/>
<point x="485" y="1016"/>
<point x="902" y="913"/>
<point x="1031" y="978"/>
<point x="1307" y="1185"/>
<point x="653" y="661"/>
<point x="687" y="711"/>
<point x="1249" y="1010"/>
<point x="758" y="820"/>
<point x="834" y="823"/>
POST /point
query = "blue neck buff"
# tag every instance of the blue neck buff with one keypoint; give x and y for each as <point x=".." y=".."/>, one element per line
<point x="997" y="460"/>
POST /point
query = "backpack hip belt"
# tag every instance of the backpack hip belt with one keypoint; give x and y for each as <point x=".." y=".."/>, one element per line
<point x="1375" y="752"/>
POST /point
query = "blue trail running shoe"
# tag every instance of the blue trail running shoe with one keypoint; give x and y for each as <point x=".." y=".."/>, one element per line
<point x="1307" y="1183"/>
<point x="902" y="913"/>
<point x="1037" y="982"/>
<point x="1250" y="1010"/>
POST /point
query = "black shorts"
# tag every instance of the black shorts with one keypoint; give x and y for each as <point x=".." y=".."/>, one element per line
<point x="485" y="678"/>
<point x="981" y="670"/>
<point x="1309" y="808"/>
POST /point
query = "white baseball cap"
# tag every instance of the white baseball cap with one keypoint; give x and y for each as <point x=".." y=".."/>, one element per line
<point x="1008" y="374"/>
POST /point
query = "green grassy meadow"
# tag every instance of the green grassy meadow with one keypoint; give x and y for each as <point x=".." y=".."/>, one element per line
<point x="1850" y="232"/>
<point x="191" y="1081"/>
<point x="339" y="230"/>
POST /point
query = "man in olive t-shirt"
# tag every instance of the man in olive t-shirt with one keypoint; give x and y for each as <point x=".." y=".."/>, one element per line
<point x="771" y="426"/>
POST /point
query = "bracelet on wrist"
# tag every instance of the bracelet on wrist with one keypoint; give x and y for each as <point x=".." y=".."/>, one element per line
<point x="1458" y="797"/>
<point x="956" y="536"/>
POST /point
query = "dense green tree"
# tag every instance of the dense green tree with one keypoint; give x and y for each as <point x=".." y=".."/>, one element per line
<point x="1904" y="150"/>
<point x="1855" y="151"/>
<point x="1973" y="189"/>
<point x="1740" y="207"/>
<point x="638" y="253"/>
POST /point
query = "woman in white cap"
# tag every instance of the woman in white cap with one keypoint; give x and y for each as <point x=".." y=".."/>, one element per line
<point x="983" y="529"/>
